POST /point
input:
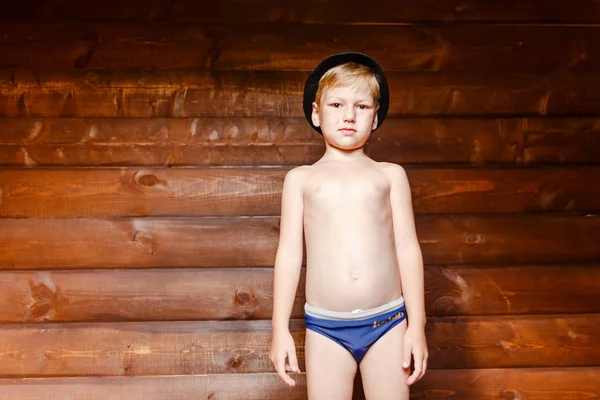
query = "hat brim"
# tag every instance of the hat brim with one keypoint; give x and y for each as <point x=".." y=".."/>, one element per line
<point x="312" y="83"/>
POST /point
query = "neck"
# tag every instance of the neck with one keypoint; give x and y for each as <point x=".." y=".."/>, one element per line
<point x="333" y="153"/>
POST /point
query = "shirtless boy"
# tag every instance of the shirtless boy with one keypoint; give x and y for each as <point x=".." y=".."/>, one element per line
<point x="364" y="268"/>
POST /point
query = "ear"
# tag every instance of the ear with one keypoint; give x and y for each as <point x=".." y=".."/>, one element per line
<point x="375" y="120"/>
<point x="315" y="115"/>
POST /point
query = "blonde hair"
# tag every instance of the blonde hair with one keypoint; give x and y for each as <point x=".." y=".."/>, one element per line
<point x="349" y="74"/>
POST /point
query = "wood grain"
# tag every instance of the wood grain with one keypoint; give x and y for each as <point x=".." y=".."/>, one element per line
<point x="196" y="93"/>
<point x="217" y="347"/>
<point x="272" y="11"/>
<point x="247" y="293"/>
<point x="252" y="241"/>
<point x="98" y="193"/>
<point x="480" y="384"/>
<point x="298" y="47"/>
<point x="290" y="141"/>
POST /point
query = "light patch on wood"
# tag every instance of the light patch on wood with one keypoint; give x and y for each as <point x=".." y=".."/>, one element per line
<point x="163" y="133"/>
<point x="475" y="157"/>
<point x="460" y="187"/>
<point x="27" y="160"/>
<point x="213" y="136"/>
<point x="546" y="199"/>
<point x="91" y="353"/>
<point x="242" y="352"/>
<point x="508" y="346"/>
<point x="425" y="241"/>
<point x="43" y="296"/>
<point x="118" y="102"/>
<point x="35" y="131"/>
<point x="194" y="126"/>
<point x="141" y="350"/>
<point x="439" y="132"/>
<point x="178" y="109"/>
<point x="234" y="132"/>
<point x="543" y="104"/>
<point x="574" y="336"/>
<point x="466" y="293"/>
<point x="440" y="57"/>
<point x="60" y="154"/>
<point x="92" y="132"/>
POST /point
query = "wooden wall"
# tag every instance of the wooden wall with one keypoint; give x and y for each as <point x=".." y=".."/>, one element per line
<point x="142" y="152"/>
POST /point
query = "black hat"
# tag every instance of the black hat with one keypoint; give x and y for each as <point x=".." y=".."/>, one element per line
<point x="312" y="83"/>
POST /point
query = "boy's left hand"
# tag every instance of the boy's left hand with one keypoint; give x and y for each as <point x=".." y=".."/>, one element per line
<point x="415" y="344"/>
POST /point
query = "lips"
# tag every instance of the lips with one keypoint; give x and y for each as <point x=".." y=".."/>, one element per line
<point x="348" y="130"/>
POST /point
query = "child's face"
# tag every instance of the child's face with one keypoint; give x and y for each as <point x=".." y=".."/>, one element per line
<point x="346" y="115"/>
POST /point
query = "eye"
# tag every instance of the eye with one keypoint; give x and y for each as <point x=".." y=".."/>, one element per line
<point x="364" y="106"/>
<point x="336" y="105"/>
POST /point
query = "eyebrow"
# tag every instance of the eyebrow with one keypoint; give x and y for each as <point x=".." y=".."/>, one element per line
<point x="361" y="100"/>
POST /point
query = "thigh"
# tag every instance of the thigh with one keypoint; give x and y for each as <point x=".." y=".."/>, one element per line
<point x="381" y="368"/>
<point x="330" y="368"/>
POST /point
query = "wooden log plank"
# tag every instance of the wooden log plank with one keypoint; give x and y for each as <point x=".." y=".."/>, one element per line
<point x="207" y="192"/>
<point x="252" y="141"/>
<point x="502" y="48"/>
<point x="252" y="241"/>
<point x="100" y="193"/>
<point x="476" y="384"/>
<point x="493" y="384"/>
<point x="193" y="93"/>
<point x="387" y="11"/>
<point x="210" y="347"/>
<point x="259" y="386"/>
<point x="170" y="155"/>
<point x="226" y="294"/>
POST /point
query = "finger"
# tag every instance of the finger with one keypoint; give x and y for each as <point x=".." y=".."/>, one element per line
<point x="406" y="352"/>
<point x="293" y="361"/>
<point x="281" y="372"/>
<point x="424" y="369"/>
<point x="418" y="359"/>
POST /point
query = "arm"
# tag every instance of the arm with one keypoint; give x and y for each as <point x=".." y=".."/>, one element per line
<point x="288" y="265"/>
<point x="410" y="260"/>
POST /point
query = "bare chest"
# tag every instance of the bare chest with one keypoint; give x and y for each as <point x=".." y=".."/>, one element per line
<point x="347" y="190"/>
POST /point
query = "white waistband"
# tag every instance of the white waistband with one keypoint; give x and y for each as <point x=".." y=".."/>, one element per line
<point x="351" y="315"/>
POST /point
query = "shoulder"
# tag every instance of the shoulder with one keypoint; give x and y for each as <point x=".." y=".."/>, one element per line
<point x="296" y="176"/>
<point x="394" y="172"/>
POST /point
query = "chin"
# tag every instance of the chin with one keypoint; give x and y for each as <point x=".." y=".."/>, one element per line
<point x="348" y="145"/>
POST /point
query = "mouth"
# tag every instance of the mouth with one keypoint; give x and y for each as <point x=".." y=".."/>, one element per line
<point x="348" y="131"/>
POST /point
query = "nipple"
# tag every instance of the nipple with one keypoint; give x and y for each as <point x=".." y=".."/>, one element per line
<point x="355" y="275"/>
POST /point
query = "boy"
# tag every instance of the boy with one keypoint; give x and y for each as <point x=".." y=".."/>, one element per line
<point x="363" y="257"/>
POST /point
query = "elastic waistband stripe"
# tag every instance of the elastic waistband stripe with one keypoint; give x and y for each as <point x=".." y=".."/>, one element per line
<point x="349" y="315"/>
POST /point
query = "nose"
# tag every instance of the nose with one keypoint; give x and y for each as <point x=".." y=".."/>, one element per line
<point x="349" y="114"/>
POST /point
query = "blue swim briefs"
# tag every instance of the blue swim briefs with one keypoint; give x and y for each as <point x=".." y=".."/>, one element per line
<point x="355" y="331"/>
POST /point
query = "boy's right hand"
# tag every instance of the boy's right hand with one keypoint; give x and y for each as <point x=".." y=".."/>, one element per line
<point x="282" y="345"/>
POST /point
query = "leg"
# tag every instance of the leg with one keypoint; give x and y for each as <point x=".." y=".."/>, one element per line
<point x="381" y="369"/>
<point x="330" y="368"/>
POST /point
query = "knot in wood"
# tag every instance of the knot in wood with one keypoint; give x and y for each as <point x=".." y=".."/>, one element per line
<point x="235" y="363"/>
<point x="45" y="298"/>
<point x="473" y="239"/>
<point x="148" y="180"/>
<point x="144" y="241"/>
<point x="244" y="295"/>
<point x="510" y="394"/>
<point x="140" y="180"/>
